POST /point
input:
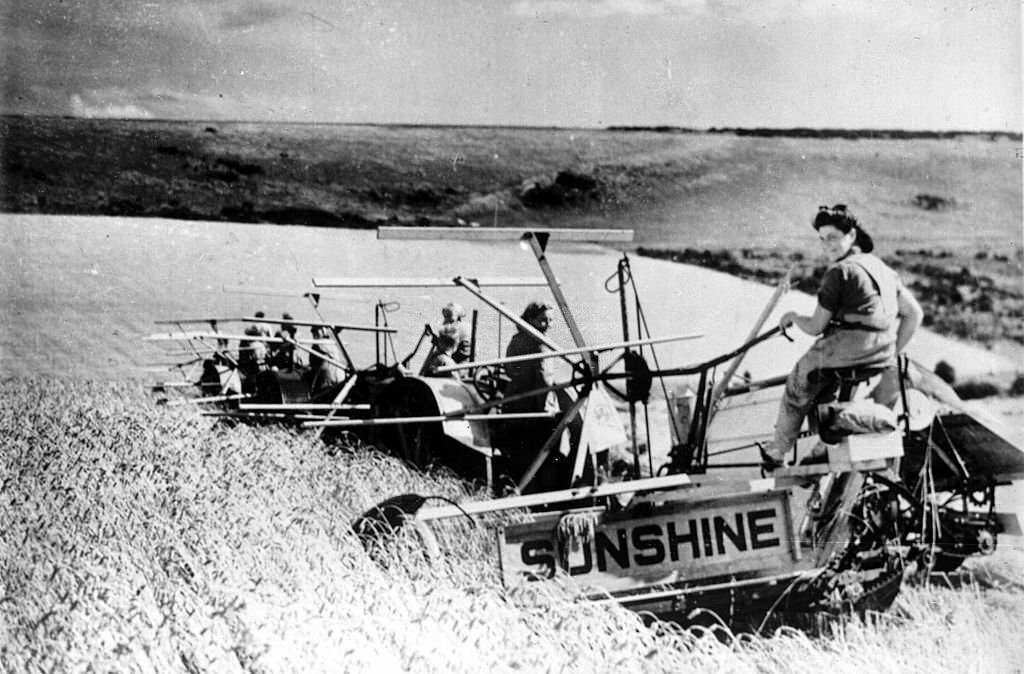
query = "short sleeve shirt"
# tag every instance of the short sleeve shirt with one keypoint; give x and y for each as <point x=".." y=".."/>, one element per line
<point x="848" y="289"/>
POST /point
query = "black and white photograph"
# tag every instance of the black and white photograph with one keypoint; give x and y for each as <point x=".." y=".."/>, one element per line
<point x="511" y="336"/>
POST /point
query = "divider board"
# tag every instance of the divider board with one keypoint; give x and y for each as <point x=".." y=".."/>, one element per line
<point x="185" y="336"/>
<point x="320" y="324"/>
<point x="506" y="234"/>
<point x="567" y="352"/>
<point x="192" y="321"/>
<point x="421" y="282"/>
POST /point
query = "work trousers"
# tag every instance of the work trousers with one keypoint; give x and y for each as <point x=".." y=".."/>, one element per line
<point x="840" y="348"/>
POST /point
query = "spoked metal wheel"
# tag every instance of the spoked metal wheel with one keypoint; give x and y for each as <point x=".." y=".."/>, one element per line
<point x="910" y="522"/>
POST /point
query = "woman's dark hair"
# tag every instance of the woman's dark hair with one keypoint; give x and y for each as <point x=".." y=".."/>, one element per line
<point x="533" y="310"/>
<point x="841" y="218"/>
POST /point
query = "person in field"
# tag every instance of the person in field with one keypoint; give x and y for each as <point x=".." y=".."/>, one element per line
<point x="453" y="326"/>
<point x="532" y="374"/>
<point x="252" y="354"/>
<point x="283" y="354"/>
<point x="324" y="375"/>
<point x="523" y="439"/>
<point x="864" y="316"/>
<point x="442" y="356"/>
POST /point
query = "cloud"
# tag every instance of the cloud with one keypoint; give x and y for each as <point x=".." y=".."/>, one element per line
<point x="252" y="14"/>
<point x="154" y="102"/>
<point x="602" y="8"/>
<point x="761" y="11"/>
<point x="92" y="105"/>
<point x="175" y="104"/>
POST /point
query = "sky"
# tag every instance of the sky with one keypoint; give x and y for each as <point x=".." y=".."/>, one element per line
<point x="907" y="64"/>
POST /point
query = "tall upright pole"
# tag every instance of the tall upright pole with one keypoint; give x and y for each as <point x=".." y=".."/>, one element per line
<point x="624" y="312"/>
<point x="538" y="243"/>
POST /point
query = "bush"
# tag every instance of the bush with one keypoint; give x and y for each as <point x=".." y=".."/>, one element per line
<point x="932" y="202"/>
<point x="973" y="390"/>
<point x="945" y="372"/>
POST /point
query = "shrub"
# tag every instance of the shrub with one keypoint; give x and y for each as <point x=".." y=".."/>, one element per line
<point x="945" y="372"/>
<point x="932" y="202"/>
<point x="972" y="390"/>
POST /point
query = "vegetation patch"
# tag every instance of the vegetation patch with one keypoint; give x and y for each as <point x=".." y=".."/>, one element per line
<point x="932" y="202"/>
<point x="982" y="301"/>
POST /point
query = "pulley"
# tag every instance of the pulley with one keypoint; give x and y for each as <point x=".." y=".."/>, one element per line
<point x="638" y="382"/>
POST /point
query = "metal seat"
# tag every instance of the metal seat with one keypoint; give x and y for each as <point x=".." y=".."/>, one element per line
<point x="841" y="383"/>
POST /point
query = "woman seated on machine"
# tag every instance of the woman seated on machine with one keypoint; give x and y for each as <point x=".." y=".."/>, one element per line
<point x="864" y="316"/>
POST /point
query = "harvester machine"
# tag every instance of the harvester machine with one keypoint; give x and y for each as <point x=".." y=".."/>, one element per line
<point x="708" y="531"/>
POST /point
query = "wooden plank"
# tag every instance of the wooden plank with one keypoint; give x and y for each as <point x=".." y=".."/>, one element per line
<point x="266" y="292"/>
<point x="249" y="415"/>
<point x="161" y="366"/>
<point x="421" y="282"/>
<point x="505" y="234"/>
<point x="514" y="502"/>
<point x="391" y="421"/>
<point x="203" y="349"/>
<point x="186" y="336"/>
<point x="191" y="321"/>
<point x="301" y="406"/>
<point x="538" y="246"/>
<point x="320" y="324"/>
<point x="211" y="399"/>
<point x="183" y="336"/>
<point x="567" y="352"/>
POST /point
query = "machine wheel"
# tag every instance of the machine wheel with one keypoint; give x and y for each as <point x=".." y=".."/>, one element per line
<point x="489" y="381"/>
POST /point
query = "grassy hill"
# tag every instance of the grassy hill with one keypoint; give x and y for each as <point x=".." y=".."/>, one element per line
<point x="695" y="189"/>
<point x="946" y="209"/>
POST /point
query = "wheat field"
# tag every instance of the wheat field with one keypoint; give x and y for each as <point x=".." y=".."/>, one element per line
<point x="146" y="538"/>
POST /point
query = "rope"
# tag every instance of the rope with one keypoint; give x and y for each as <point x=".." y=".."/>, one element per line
<point x="643" y="331"/>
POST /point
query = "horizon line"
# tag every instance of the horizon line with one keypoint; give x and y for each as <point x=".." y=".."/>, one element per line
<point x="1017" y="134"/>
